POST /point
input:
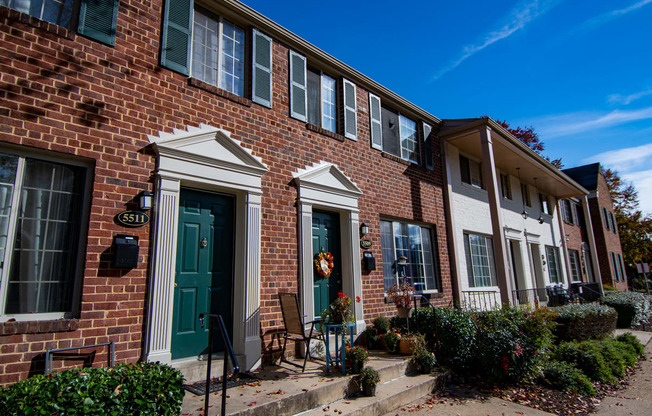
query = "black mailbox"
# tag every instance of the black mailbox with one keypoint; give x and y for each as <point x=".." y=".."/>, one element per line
<point x="126" y="252"/>
<point x="368" y="261"/>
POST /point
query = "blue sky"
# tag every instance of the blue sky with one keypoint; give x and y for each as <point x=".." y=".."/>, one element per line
<point x="578" y="71"/>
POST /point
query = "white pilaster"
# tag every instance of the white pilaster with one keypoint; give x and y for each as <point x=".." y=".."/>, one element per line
<point x="252" y="345"/>
<point x="305" y="254"/>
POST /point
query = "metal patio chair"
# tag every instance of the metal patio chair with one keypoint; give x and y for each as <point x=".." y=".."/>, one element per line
<point x="295" y="327"/>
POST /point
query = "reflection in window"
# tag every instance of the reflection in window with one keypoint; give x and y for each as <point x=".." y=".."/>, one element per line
<point x="58" y="12"/>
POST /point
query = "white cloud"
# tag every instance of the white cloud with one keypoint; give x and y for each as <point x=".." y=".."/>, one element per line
<point x="613" y="14"/>
<point x="625" y="160"/>
<point x="517" y="19"/>
<point x="574" y="123"/>
<point x="642" y="181"/>
<point x="627" y="99"/>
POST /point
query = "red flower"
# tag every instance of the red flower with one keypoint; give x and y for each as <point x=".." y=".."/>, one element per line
<point x="357" y="299"/>
<point x="340" y="294"/>
<point x="504" y="363"/>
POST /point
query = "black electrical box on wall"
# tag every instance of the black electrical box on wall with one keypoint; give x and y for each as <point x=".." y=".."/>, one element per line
<point x="368" y="261"/>
<point x="125" y="252"/>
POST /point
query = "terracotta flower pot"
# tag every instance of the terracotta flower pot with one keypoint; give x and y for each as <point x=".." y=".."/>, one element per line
<point x="404" y="346"/>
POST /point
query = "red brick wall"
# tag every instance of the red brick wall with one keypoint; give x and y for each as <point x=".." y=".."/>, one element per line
<point x="67" y="94"/>
<point x="606" y="240"/>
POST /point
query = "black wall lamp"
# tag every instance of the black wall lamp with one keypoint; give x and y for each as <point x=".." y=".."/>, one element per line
<point x="145" y="200"/>
<point x="364" y="229"/>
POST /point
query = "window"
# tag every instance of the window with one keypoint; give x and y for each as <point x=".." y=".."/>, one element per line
<point x="415" y="242"/>
<point x="471" y="172"/>
<point x="480" y="263"/>
<point x="613" y="223"/>
<point x="605" y="217"/>
<point x="322" y="100"/>
<point x="505" y="187"/>
<point x="97" y="18"/>
<point x="574" y="258"/>
<point x="618" y="267"/>
<point x="396" y="134"/>
<point x="567" y="211"/>
<point x="41" y="234"/>
<point x="621" y="267"/>
<point x="543" y="203"/>
<point x="554" y="265"/>
<point x="525" y="192"/>
<point x="313" y="98"/>
<point x="213" y="50"/>
<point x="218" y="49"/>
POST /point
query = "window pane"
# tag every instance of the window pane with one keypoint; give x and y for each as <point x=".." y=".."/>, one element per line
<point x="8" y="166"/>
<point x="482" y="260"/>
<point x="44" y="254"/>
<point x="428" y="259"/>
<point x="232" y="59"/>
<point x="204" y="48"/>
<point x="314" y="97"/>
<point x="386" y="240"/>
<point x="328" y="103"/>
<point x="553" y="265"/>
<point x="409" y="149"/>
<point x="574" y="259"/>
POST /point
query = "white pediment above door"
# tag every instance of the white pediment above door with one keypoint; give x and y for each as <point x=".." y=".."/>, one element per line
<point x="324" y="183"/>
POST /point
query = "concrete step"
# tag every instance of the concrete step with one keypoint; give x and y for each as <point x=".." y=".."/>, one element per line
<point x="390" y="395"/>
<point x="194" y="369"/>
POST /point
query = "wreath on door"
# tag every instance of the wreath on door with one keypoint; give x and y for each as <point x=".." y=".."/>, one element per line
<point x="324" y="264"/>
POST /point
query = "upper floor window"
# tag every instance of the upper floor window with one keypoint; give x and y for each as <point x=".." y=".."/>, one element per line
<point x="395" y="133"/>
<point x="322" y="100"/>
<point x="543" y="203"/>
<point x="618" y="267"/>
<point x="218" y="52"/>
<point x="554" y="265"/>
<point x="613" y="222"/>
<point x="525" y="192"/>
<point x="42" y="207"/>
<point x="605" y="217"/>
<point x="214" y="50"/>
<point x="567" y="211"/>
<point x="96" y="19"/>
<point x="480" y="262"/>
<point x="505" y="187"/>
<point x="471" y="172"/>
<point x="417" y="244"/>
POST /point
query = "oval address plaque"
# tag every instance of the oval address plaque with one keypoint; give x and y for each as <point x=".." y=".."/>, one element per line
<point x="365" y="243"/>
<point x="132" y="218"/>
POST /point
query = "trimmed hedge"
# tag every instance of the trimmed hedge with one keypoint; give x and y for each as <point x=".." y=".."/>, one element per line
<point x="629" y="338"/>
<point x="126" y="389"/>
<point x="564" y="376"/>
<point x="582" y="322"/>
<point x="633" y="308"/>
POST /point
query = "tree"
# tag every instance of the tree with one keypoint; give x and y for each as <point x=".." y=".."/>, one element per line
<point x="528" y="136"/>
<point x="635" y="230"/>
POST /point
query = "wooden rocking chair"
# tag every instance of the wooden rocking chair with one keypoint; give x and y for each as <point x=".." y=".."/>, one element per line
<point x="295" y="328"/>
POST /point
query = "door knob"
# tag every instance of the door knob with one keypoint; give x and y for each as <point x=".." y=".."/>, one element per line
<point x="203" y="243"/>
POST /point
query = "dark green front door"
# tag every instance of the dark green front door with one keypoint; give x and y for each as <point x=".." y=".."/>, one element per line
<point x="204" y="271"/>
<point x="326" y="238"/>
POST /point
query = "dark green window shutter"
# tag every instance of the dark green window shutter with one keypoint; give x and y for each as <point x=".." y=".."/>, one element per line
<point x="98" y="20"/>
<point x="262" y="70"/>
<point x="177" y="35"/>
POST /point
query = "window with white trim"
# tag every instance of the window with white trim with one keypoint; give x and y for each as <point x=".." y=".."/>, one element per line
<point x="322" y="100"/>
<point x="471" y="172"/>
<point x="544" y="205"/>
<point x="59" y="12"/>
<point x="567" y="211"/>
<point x="218" y="52"/>
<point x="42" y="234"/>
<point x="554" y="265"/>
<point x="505" y="186"/>
<point x="574" y="258"/>
<point x="525" y="194"/>
<point x="480" y="261"/>
<point x="396" y="134"/>
<point x="418" y="244"/>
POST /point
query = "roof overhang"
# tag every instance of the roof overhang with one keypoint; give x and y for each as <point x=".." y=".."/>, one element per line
<point x="510" y="155"/>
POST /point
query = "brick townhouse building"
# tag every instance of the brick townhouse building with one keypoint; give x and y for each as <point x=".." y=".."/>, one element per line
<point x="260" y="150"/>
<point x="603" y="225"/>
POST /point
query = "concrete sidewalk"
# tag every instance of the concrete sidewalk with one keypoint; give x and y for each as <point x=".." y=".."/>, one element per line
<point x="636" y="399"/>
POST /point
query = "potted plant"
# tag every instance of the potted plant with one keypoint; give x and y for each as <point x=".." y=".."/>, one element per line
<point x="355" y="358"/>
<point x="391" y="341"/>
<point x="369" y="378"/>
<point x="373" y="333"/>
<point x="339" y="311"/>
<point x="412" y="343"/>
<point x="401" y="295"/>
<point x="425" y="360"/>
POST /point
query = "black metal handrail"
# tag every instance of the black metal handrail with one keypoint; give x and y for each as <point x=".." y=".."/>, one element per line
<point x="228" y="348"/>
<point x="479" y="300"/>
<point x="110" y="356"/>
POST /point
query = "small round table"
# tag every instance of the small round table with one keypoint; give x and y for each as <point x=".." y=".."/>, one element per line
<point x="339" y="330"/>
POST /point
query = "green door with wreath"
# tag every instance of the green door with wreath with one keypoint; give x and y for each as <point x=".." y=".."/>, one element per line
<point x="204" y="271"/>
<point x="326" y="238"/>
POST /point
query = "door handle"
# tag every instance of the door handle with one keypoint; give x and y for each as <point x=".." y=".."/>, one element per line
<point x="203" y="243"/>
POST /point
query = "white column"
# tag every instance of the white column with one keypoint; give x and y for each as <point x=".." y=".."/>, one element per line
<point x="500" y="247"/>
<point x="162" y="274"/>
<point x="306" y="264"/>
<point x="354" y="286"/>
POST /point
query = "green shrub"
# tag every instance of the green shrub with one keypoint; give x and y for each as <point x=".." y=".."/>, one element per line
<point x="633" y="308"/>
<point x="587" y="357"/>
<point x="511" y="342"/>
<point x="564" y="376"/>
<point x="455" y="346"/>
<point x="423" y="322"/>
<point x="126" y="389"/>
<point x="381" y="324"/>
<point x="629" y="338"/>
<point x="587" y="321"/>
<point x="390" y="340"/>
